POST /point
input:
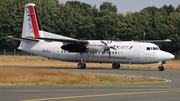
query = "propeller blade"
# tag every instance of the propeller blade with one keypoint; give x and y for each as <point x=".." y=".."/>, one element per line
<point x="104" y="42"/>
<point x="107" y="36"/>
<point x="113" y="38"/>
<point x="113" y="47"/>
<point x="109" y="53"/>
<point x="144" y="36"/>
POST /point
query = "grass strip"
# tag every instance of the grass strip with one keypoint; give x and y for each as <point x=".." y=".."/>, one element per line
<point x="19" y="76"/>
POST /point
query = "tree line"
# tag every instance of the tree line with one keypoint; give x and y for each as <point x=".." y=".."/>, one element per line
<point x="85" y="21"/>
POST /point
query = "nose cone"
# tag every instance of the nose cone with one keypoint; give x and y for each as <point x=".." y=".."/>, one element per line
<point x="163" y="56"/>
<point x="171" y="56"/>
<point x="168" y="56"/>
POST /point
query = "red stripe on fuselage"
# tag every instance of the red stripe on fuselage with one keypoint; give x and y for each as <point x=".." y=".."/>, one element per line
<point x="34" y="21"/>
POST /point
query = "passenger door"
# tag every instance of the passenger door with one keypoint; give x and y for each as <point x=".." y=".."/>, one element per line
<point x="56" y="52"/>
<point x="136" y="55"/>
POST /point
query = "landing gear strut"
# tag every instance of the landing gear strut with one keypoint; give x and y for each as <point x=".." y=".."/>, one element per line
<point x="115" y="65"/>
<point x="161" y="68"/>
<point x="82" y="64"/>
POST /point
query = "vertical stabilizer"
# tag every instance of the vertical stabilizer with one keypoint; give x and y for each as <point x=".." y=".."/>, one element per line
<point x="31" y="25"/>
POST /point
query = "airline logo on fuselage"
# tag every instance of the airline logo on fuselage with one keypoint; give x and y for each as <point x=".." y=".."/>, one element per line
<point x="122" y="47"/>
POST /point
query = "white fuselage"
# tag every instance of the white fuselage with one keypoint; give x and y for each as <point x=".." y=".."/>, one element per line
<point x="129" y="52"/>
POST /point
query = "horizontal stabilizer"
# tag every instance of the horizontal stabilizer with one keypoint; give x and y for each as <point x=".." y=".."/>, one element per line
<point x="23" y="39"/>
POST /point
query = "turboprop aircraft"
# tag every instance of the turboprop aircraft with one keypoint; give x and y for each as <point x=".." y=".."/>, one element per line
<point x="35" y="40"/>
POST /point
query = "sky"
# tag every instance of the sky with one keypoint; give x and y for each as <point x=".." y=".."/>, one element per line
<point x="130" y="5"/>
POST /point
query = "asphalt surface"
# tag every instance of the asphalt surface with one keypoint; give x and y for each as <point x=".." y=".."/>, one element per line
<point x="166" y="91"/>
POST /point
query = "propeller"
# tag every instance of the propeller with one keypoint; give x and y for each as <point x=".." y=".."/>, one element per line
<point x="108" y="46"/>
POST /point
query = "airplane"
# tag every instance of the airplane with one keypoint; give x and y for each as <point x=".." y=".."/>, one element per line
<point x="35" y="40"/>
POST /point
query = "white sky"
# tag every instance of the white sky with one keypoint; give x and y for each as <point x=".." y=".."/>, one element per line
<point x="130" y="5"/>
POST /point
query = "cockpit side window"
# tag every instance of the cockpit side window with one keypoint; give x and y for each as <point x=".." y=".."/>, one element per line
<point x="148" y="48"/>
<point x="152" y="48"/>
<point x="155" y="48"/>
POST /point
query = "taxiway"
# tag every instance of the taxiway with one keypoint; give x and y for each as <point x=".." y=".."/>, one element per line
<point x="166" y="91"/>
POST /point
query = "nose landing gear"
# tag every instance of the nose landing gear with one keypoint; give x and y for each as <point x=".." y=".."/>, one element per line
<point x="161" y="68"/>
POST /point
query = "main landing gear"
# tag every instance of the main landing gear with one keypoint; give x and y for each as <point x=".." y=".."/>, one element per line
<point x="115" y="66"/>
<point x="81" y="65"/>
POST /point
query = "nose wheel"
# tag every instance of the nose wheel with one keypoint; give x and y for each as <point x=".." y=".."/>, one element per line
<point x="161" y="68"/>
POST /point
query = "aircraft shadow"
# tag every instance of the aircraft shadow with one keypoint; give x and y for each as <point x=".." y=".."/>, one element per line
<point x="69" y="68"/>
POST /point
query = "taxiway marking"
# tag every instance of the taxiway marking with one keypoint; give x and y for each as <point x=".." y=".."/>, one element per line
<point x="102" y="95"/>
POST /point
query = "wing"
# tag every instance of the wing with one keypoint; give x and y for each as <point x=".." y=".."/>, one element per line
<point x="157" y="41"/>
<point x="67" y="41"/>
<point x="71" y="45"/>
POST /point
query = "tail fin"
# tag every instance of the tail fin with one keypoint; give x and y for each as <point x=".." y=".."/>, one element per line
<point x="31" y="25"/>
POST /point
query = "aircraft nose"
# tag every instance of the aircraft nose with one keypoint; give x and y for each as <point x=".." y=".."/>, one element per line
<point x="171" y="56"/>
<point x="165" y="56"/>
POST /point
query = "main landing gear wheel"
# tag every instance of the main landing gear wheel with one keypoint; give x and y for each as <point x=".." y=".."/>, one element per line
<point x="160" y="68"/>
<point x="81" y="65"/>
<point x="115" y="65"/>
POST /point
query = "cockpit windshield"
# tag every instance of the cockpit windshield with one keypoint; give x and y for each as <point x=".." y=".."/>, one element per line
<point x="155" y="48"/>
<point x="152" y="48"/>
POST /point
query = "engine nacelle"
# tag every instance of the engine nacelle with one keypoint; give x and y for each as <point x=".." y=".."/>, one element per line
<point x="75" y="48"/>
<point x="98" y="48"/>
<point x="83" y="48"/>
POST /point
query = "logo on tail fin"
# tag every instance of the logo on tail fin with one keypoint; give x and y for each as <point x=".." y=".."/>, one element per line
<point x="31" y="25"/>
<point x="34" y="21"/>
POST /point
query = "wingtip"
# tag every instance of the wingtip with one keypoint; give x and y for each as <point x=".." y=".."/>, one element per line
<point x="10" y="36"/>
<point x="168" y="40"/>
